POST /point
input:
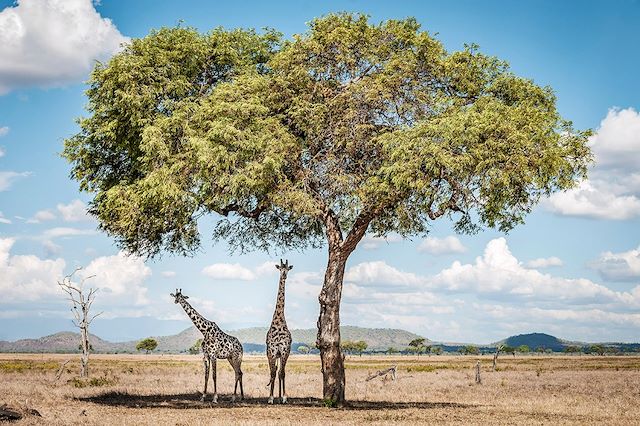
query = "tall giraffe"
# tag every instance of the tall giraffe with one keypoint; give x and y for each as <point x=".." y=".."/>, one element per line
<point x="216" y="344"/>
<point x="279" y="337"/>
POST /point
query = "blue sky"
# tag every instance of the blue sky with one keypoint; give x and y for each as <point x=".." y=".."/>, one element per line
<point x="573" y="270"/>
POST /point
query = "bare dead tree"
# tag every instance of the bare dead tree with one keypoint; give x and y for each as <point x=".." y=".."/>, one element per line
<point x="81" y="302"/>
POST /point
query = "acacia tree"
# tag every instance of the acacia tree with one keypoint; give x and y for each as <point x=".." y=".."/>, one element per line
<point x="148" y="345"/>
<point x="349" y="128"/>
<point x="417" y="345"/>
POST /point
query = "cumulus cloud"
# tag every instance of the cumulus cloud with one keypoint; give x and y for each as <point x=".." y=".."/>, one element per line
<point x="544" y="262"/>
<point x="623" y="266"/>
<point x="613" y="189"/>
<point x="8" y="178"/>
<point x="593" y="199"/>
<point x="1" y="152"/>
<point x="168" y="274"/>
<point x="4" y="130"/>
<point x="119" y="276"/>
<point x="26" y="277"/>
<point x="379" y="273"/>
<point x="75" y="211"/>
<point x="50" y="43"/>
<point x="438" y="246"/>
<point x="228" y="271"/>
<point x="497" y="272"/>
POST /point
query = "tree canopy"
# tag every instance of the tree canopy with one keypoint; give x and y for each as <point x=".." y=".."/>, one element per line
<point x="354" y="125"/>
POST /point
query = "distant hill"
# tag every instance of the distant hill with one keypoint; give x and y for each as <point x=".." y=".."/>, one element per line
<point x="252" y="339"/>
<point x="376" y="338"/>
<point x="63" y="342"/>
<point x="534" y="341"/>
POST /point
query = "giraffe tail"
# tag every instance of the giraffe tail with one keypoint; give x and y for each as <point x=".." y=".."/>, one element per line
<point x="278" y="363"/>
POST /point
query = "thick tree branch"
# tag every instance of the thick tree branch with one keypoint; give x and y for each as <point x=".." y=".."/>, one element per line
<point x="358" y="230"/>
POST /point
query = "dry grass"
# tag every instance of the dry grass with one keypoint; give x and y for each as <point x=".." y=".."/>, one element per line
<point x="159" y="390"/>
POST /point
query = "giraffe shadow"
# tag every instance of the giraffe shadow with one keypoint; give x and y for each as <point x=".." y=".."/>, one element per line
<point x="192" y="401"/>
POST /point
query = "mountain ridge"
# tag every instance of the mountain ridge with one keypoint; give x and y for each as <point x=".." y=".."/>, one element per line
<point x="378" y="339"/>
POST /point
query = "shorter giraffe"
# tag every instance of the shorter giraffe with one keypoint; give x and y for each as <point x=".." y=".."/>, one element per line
<point x="279" y="338"/>
<point x="216" y="344"/>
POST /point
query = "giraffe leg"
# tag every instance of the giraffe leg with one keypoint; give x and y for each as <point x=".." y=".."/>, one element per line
<point x="283" y="364"/>
<point x="206" y="360"/>
<point x="273" y="368"/>
<point x="280" y="381"/>
<point x="235" y="363"/>
<point x="215" y="379"/>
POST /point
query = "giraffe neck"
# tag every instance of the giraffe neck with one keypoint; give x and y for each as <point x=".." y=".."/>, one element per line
<point x="278" y="314"/>
<point x="201" y="323"/>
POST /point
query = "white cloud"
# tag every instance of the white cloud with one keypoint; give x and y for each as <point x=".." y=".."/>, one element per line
<point x="75" y="211"/>
<point x="4" y="219"/>
<point x="61" y="232"/>
<point x="500" y="274"/>
<point x="613" y="189"/>
<point x="4" y="130"/>
<point x="50" y="43"/>
<point x="616" y="145"/>
<point x="8" y="178"/>
<point x="595" y="200"/>
<point x="119" y="276"/>
<point x="1" y="152"/>
<point x="446" y="245"/>
<point x="42" y="216"/>
<point x="266" y="268"/>
<point x="369" y="242"/>
<point x="305" y="285"/>
<point x="168" y="274"/>
<point x="228" y="271"/>
<point x="26" y="277"/>
<point x="544" y="262"/>
<point x="623" y="266"/>
<point x="378" y="273"/>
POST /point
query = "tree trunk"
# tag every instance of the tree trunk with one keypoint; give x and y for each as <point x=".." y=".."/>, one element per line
<point x="84" y="359"/>
<point x="332" y="359"/>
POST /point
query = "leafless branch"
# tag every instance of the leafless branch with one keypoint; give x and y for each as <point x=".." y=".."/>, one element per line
<point x="379" y="373"/>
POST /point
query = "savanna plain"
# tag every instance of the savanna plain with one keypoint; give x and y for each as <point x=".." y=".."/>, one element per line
<point x="165" y="390"/>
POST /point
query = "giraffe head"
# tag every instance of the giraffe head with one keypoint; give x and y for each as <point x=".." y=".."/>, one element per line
<point x="178" y="296"/>
<point x="284" y="268"/>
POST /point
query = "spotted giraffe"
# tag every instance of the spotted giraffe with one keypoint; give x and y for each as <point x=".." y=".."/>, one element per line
<point x="216" y="344"/>
<point x="279" y="338"/>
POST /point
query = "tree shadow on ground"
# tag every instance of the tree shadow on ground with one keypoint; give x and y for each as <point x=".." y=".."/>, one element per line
<point x="192" y="401"/>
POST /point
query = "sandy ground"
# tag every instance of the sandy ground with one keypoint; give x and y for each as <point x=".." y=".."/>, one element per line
<point x="165" y="390"/>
